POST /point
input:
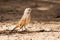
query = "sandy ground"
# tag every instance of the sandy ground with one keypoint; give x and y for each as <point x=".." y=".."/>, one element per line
<point x="35" y="26"/>
<point x="36" y="31"/>
<point x="32" y="36"/>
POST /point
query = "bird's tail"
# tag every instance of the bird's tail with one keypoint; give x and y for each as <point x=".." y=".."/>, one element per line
<point x="14" y="28"/>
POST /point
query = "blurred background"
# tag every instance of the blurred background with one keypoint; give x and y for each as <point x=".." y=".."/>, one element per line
<point x="42" y="10"/>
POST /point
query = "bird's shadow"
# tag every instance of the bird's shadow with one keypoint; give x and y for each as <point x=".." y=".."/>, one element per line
<point x="9" y="32"/>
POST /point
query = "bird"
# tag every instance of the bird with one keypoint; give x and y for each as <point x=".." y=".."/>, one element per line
<point x="25" y="19"/>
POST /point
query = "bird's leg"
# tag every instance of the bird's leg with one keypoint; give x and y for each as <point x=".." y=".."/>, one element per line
<point x="25" y="28"/>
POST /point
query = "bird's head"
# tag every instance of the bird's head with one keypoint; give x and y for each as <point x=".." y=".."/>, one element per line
<point x="27" y="11"/>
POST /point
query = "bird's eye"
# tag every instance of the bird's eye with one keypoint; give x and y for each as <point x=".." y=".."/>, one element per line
<point x="29" y="10"/>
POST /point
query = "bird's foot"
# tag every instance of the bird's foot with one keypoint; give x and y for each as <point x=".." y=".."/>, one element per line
<point x="11" y="31"/>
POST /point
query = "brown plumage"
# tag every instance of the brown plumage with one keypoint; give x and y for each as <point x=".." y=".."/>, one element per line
<point x="25" y="19"/>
